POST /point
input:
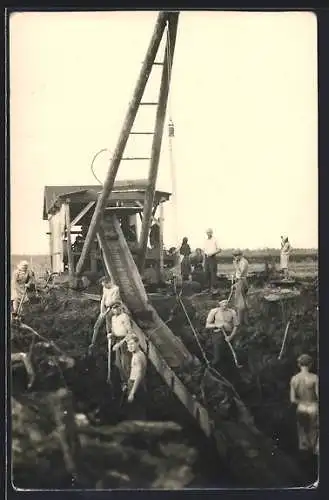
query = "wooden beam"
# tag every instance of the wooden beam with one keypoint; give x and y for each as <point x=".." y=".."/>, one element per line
<point x="157" y="138"/>
<point x="82" y="213"/>
<point x="69" y="242"/>
<point x="124" y="135"/>
<point x="161" y="218"/>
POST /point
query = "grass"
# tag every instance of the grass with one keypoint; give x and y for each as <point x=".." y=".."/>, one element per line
<point x="302" y="262"/>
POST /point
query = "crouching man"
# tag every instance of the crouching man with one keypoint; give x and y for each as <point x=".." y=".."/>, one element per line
<point x="136" y="392"/>
<point x="224" y="323"/>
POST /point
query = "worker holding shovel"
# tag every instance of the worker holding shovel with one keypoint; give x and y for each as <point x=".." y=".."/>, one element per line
<point x="224" y="324"/>
<point x="22" y="280"/>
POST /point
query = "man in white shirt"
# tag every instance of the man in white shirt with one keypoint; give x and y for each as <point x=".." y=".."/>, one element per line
<point x="211" y="250"/>
<point x="110" y="296"/>
<point x="241" y="266"/>
<point x="136" y="387"/>
<point x="222" y="321"/>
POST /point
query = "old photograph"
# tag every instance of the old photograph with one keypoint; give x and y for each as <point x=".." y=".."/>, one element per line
<point x="164" y="250"/>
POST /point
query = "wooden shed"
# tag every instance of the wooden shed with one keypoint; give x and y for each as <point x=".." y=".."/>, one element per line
<point x="73" y="206"/>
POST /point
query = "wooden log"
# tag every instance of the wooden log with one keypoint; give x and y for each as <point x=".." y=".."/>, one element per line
<point x="157" y="138"/>
<point x="67" y="432"/>
<point x="123" y="138"/>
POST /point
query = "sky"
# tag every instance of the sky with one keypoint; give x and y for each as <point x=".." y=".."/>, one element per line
<point x="243" y="100"/>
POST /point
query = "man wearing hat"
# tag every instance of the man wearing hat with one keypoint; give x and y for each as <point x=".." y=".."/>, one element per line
<point x="21" y="281"/>
<point x="222" y="321"/>
<point x="211" y="250"/>
<point x="241" y="266"/>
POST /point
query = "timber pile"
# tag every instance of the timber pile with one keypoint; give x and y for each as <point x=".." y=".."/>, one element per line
<point x="55" y="448"/>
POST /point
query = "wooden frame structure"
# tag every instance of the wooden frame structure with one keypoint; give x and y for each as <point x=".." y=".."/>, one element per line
<point x="66" y="207"/>
<point x="165" y="20"/>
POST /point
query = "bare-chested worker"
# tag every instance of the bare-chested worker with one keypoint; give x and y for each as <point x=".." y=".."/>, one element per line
<point x="110" y="296"/>
<point x="304" y="393"/>
<point x="241" y="266"/>
<point x="223" y="321"/>
<point x="121" y="331"/>
<point x="136" y="382"/>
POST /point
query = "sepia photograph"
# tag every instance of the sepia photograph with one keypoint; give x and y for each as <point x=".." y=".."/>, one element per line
<point x="163" y="288"/>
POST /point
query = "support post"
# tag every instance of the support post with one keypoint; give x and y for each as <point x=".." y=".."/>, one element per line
<point x="161" y="241"/>
<point x="157" y="138"/>
<point x="69" y="242"/>
<point x="124" y="135"/>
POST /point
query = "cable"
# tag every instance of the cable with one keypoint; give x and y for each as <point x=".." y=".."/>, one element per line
<point x="92" y="163"/>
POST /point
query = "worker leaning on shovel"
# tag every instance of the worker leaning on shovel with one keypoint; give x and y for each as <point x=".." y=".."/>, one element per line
<point x="22" y="280"/>
<point x="110" y="296"/>
<point x="224" y="324"/>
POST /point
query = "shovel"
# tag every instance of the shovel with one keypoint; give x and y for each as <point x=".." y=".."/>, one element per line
<point x="109" y="340"/>
<point x="237" y="364"/>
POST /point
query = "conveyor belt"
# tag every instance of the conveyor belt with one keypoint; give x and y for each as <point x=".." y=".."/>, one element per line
<point x="121" y="267"/>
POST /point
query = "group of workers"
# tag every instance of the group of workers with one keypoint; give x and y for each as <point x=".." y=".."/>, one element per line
<point x="130" y="360"/>
<point x="223" y="321"/>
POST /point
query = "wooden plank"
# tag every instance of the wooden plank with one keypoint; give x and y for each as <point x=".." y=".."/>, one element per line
<point x="161" y="220"/>
<point x="133" y="270"/>
<point x="82" y="213"/>
<point x="157" y="138"/>
<point x="124" y="135"/>
<point x="171" y="379"/>
<point x="69" y="241"/>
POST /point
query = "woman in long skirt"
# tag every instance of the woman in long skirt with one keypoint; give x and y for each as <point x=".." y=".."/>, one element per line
<point x="185" y="252"/>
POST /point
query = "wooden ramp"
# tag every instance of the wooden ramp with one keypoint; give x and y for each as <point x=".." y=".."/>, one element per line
<point x="164" y="350"/>
<point x="254" y="459"/>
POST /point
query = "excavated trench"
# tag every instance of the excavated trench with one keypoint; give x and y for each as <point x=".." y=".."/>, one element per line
<point x="67" y="318"/>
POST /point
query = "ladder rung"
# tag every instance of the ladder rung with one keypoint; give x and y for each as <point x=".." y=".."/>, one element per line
<point x="148" y="103"/>
<point x="135" y="158"/>
<point x="158" y="63"/>
<point x="142" y="133"/>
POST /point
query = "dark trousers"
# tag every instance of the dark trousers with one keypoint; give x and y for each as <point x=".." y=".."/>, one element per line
<point x="136" y="410"/>
<point x="218" y="342"/>
<point x="211" y="271"/>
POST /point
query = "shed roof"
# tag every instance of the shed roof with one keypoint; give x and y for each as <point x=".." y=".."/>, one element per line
<point x="56" y="193"/>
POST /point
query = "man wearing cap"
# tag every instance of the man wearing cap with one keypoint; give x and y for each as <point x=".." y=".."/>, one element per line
<point x="211" y="250"/>
<point x="222" y="321"/>
<point x="241" y="266"/>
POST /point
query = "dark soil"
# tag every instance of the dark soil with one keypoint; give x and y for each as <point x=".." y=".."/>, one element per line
<point x="66" y="318"/>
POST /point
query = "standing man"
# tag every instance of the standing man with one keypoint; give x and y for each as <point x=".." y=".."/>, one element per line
<point x="136" y="386"/>
<point x="211" y="250"/>
<point x="241" y="266"/>
<point x="121" y="332"/>
<point x="110" y="296"/>
<point x="304" y="393"/>
<point x="222" y="321"/>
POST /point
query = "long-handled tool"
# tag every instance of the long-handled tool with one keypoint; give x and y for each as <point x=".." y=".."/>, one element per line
<point x="284" y="339"/>
<point x="109" y="354"/>
<point x="237" y="364"/>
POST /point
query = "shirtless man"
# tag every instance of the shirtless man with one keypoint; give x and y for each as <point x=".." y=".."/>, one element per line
<point x="222" y="321"/>
<point x="136" y="388"/>
<point x="304" y="393"/>
<point x="121" y="332"/>
<point x="110" y="296"/>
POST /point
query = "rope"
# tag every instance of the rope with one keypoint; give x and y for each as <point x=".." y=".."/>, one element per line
<point x="92" y="164"/>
